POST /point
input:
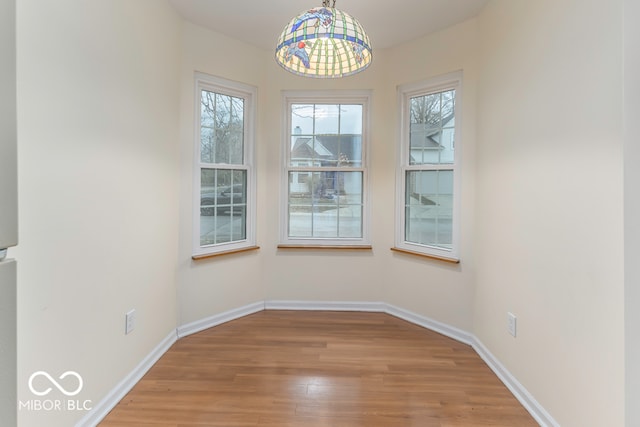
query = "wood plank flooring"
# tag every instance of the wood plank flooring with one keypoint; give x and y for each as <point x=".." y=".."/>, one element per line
<point x="319" y="369"/>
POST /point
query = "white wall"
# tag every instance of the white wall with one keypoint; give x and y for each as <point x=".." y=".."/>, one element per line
<point x="105" y="107"/>
<point x="632" y="209"/>
<point x="542" y="174"/>
<point x="434" y="289"/>
<point x="549" y="202"/>
<point x="425" y="287"/>
<point x="211" y="286"/>
<point x="98" y="174"/>
<point x="321" y="275"/>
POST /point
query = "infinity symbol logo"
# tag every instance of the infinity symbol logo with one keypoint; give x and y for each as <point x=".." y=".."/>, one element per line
<point x="55" y="383"/>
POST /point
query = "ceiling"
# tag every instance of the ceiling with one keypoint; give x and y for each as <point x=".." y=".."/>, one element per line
<point x="388" y="23"/>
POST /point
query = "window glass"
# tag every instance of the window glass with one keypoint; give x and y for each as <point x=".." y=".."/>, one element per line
<point x="225" y="191"/>
<point x="221" y="128"/>
<point x="325" y="194"/>
<point x="428" y="171"/>
<point x="429" y="207"/>
<point x="325" y="204"/>
<point x="431" y="128"/>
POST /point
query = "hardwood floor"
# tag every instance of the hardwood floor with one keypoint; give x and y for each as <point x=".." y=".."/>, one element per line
<point x="319" y="369"/>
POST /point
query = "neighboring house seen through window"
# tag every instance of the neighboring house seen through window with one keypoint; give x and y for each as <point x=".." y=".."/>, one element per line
<point x="428" y="181"/>
<point x="325" y="170"/>
<point x="225" y="189"/>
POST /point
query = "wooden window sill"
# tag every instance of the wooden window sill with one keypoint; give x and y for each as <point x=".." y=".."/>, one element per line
<point x="423" y="255"/>
<point x="223" y="253"/>
<point x="338" y="247"/>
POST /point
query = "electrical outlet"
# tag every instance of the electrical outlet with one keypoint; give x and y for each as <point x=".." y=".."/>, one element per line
<point x="511" y="323"/>
<point x="130" y="322"/>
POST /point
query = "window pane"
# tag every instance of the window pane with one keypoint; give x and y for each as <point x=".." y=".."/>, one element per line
<point x="350" y="152"/>
<point x="236" y="144"/>
<point x="302" y="119"/>
<point x="223" y="205"/>
<point x="429" y="208"/>
<point x="448" y="104"/>
<point x="327" y="119"/>
<point x="325" y="204"/>
<point x="351" y="119"/>
<point x="206" y="144"/>
<point x="430" y="112"/>
<point x="431" y="128"/>
<point x="326" y="135"/>
<point x="446" y="141"/>
<point x="221" y="128"/>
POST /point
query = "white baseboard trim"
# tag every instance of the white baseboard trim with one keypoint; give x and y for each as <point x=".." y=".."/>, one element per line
<point x="433" y="325"/>
<point x="378" y="307"/>
<point x="324" y="305"/>
<point x="201" y="325"/>
<point x="100" y="410"/>
<point x="522" y="394"/>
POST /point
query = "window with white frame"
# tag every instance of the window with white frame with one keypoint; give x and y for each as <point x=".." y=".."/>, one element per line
<point x="325" y="173"/>
<point x="224" y="176"/>
<point x="428" y="180"/>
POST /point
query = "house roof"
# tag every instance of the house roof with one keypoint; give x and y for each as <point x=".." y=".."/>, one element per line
<point x="309" y="148"/>
<point x="326" y="147"/>
<point x="427" y="136"/>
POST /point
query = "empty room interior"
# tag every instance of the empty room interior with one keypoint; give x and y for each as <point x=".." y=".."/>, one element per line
<point x="137" y="232"/>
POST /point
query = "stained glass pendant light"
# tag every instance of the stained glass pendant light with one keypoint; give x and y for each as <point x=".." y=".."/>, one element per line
<point x="324" y="42"/>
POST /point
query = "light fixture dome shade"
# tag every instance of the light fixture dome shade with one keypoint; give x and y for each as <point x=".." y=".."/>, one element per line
<point x="323" y="42"/>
